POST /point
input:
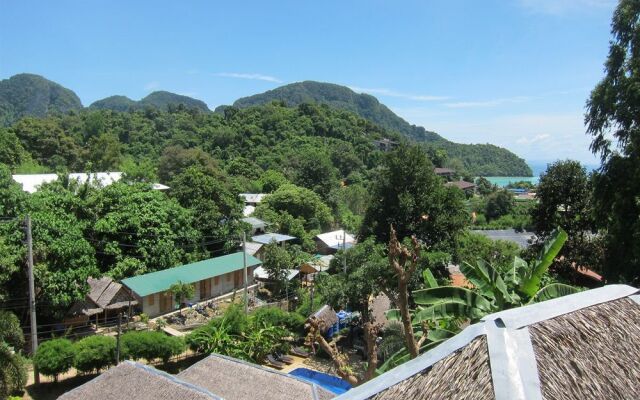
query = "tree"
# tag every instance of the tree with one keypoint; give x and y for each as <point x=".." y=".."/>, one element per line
<point x="277" y="263"/>
<point x="94" y="353"/>
<point x="176" y="159"/>
<point x="565" y="200"/>
<point x="298" y="202"/>
<point x="612" y="113"/>
<point x="408" y="195"/>
<point x="13" y="372"/>
<point x="271" y="180"/>
<point x="499" y="204"/>
<point x="215" y="206"/>
<point x="484" y="187"/>
<point x="150" y="345"/>
<point x="182" y="291"/>
<point x="54" y="357"/>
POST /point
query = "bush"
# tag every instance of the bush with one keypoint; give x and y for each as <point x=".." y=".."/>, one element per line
<point x="150" y="346"/>
<point x="272" y="316"/>
<point x="54" y="357"/>
<point x="235" y="319"/>
<point x="95" y="353"/>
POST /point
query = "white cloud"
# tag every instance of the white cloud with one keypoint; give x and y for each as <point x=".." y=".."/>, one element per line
<point x="487" y="103"/>
<point x="393" y="93"/>
<point x="534" y="139"/>
<point x="533" y="136"/>
<point x="562" y="7"/>
<point x="152" y="86"/>
<point x="258" y="77"/>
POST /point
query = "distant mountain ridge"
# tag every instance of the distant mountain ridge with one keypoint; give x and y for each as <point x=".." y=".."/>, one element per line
<point x="33" y="95"/>
<point x="478" y="159"/>
<point x="159" y="99"/>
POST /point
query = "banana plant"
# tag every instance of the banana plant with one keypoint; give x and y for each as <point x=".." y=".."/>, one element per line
<point x="494" y="289"/>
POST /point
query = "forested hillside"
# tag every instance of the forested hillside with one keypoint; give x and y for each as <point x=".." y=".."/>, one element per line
<point x="159" y="99"/>
<point x="477" y="159"/>
<point x="32" y="95"/>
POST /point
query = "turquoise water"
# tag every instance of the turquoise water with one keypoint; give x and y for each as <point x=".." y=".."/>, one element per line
<point x="503" y="181"/>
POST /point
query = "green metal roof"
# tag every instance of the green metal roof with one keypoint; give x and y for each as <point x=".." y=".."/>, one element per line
<point x="160" y="281"/>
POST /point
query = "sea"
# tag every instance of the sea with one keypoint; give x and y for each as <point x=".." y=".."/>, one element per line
<point x="536" y="167"/>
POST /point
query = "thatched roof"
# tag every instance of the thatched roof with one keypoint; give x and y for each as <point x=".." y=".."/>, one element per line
<point x="234" y="379"/>
<point x="583" y="346"/>
<point x="326" y="316"/>
<point x="130" y="380"/>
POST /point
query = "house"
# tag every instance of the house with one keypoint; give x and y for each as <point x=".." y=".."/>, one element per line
<point x="32" y="182"/>
<point x="132" y="380"/>
<point x="211" y="278"/>
<point x="465" y="186"/>
<point x="385" y="144"/>
<point x="258" y="226"/>
<point x="317" y="264"/>
<point x="327" y="320"/>
<point x="446" y="173"/>
<point x="215" y="377"/>
<point x="106" y="297"/>
<point x="254" y="249"/>
<point x="253" y="199"/>
<point x="272" y="237"/>
<point x="331" y="242"/>
<point x="581" y="346"/>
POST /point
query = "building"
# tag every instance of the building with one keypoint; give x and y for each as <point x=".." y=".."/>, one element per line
<point x="32" y="182"/>
<point x="258" y="226"/>
<point x="211" y="278"/>
<point x="272" y="237"/>
<point x="254" y="249"/>
<point x="215" y="377"/>
<point x="331" y="242"/>
<point x="385" y="144"/>
<point x="446" y="173"/>
<point x="253" y="199"/>
<point x="106" y="297"/>
<point x="465" y="186"/>
<point x="582" y="346"/>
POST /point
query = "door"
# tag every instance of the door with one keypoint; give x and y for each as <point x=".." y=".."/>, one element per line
<point x="205" y="289"/>
<point x="166" y="302"/>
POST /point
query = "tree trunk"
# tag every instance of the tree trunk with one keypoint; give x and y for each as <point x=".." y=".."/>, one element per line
<point x="371" y="336"/>
<point x="403" y="305"/>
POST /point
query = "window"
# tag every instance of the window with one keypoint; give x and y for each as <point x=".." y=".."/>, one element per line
<point x="151" y="299"/>
<point x="216" y="280"/>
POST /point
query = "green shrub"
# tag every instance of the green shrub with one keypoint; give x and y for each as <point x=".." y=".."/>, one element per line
<point x="150" y="346"/>
<point x="235" y="319"/>
<point x="54" y="357"/>
<point x="94" y="353"/>
<point x="272" y="316"/>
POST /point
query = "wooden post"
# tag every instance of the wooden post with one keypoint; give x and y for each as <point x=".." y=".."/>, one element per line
<point x="244" y="261"/>
<point x="118" y="338"/>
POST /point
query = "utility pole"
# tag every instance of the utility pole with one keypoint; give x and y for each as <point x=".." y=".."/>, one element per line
<point x="244" y="261"/>
<point x="118" y="338"/>
<point x="311" y="299"/>
<point x="344" y="251"/>
<point x="32" y="298"/>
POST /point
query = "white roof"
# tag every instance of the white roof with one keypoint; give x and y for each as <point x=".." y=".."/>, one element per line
<point x="252" y="248"/>
<point x="253" y="197"/>
<point x="261" y="273"/>
<point x="248" y="210"/>
<point x="335" y="238"/>
<point x="31" y="182"/>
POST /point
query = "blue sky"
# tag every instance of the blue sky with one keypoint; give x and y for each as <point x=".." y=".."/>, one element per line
<point x="515" y="73"/>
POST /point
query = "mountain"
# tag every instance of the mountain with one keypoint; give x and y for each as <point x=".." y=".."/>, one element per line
<point x="32" y="95"/>
<point x="478" y="159"/>
<point x="160" y="99"/>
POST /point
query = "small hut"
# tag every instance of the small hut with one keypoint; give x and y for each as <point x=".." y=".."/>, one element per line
<point x="105" y="298"/>
<point x="328" y="320"/>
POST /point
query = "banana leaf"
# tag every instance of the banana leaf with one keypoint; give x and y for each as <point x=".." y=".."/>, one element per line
<point x="551" y="249"/>
<point x="429" y="279"/>
<point x="402" y="356"/>
<point x="553" y="291"/>
<point x="449" y="311"/>
<point x="450" y="294"/>
<point x="393" y="315"/>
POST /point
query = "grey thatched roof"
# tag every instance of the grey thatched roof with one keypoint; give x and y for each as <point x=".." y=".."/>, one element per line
<point x="327" y="317"/>
<point x="130" y="380"/>
<point x="583" y="346"/>
<point x="234" y="379"/>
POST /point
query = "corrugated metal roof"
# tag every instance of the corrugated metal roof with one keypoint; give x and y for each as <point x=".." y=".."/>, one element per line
<point x="160" y="281"/>
<point x="335" y="238"/>
<point x="272" y="237"/>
